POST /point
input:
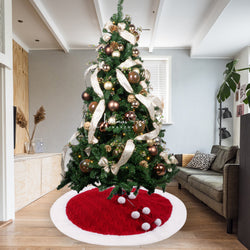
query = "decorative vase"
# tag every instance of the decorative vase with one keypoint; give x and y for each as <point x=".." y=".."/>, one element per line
<point x="29" y="147"/>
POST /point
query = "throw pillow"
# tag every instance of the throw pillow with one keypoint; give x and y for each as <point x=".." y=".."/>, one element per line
<point x="223" y="156"/>
<point x="201" y="161"/>
<point x="186" y="158"/>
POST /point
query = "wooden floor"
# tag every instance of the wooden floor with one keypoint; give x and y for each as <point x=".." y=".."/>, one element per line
<point x="33" y="229"/>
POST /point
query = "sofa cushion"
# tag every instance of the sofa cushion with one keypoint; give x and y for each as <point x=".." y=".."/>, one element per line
<point x="201" y="161"/>
<point x="211" y="185"/>
<point x="183" y="159"/>
<point x="223" y="155"/>
<point x="184" y="173"/>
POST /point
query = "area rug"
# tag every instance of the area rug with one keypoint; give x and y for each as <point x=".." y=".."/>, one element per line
<point x="122" y="221"/>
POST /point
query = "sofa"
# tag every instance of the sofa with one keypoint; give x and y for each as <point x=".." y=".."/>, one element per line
<point x="217" y="187"/>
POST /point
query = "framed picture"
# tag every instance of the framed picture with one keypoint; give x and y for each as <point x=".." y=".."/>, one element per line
<point x="243" y="92"/>
<point x="240" y="110"/>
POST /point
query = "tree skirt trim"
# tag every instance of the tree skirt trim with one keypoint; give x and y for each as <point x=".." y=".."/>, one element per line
<point x="171" y="226"/>
<point x="93" y="212"/>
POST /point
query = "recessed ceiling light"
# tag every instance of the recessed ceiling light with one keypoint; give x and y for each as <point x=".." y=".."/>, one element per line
<point x="37" y="40"/>
<point x="20" y="21"/>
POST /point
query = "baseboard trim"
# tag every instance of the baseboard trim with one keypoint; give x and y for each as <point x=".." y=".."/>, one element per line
<point x="5" y="223"/>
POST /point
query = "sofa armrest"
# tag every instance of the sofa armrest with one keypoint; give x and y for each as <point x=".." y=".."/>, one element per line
<point x="230" y="190"/>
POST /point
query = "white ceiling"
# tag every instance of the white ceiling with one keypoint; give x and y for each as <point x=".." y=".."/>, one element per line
<point x="210" y="28"/>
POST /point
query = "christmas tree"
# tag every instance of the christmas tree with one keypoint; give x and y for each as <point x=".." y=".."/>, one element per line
<point x="120" y="143"/>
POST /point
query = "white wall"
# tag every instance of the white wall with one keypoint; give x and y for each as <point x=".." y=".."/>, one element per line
<point x="56" y="81"/>
<point x="243" y="62"/>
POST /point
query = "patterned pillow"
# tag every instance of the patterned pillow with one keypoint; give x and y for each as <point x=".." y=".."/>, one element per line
<point x="201" y="161"/>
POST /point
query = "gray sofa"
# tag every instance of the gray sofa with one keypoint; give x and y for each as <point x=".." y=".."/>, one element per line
<point x="218" y="186"/>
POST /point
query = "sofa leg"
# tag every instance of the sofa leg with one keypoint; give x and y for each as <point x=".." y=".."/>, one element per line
<point x="179" y="186"/>
<point x="229" y="226"/>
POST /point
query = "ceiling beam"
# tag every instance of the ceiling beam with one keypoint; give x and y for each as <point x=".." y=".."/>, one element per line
<point x="42" y="12"/>
<point x="159" y="10"/>
<point x="99" y="14"/>
<point x="212" y="16"/>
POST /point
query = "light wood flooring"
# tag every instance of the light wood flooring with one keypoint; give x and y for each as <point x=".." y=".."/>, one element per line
<point x="33" y="229"/>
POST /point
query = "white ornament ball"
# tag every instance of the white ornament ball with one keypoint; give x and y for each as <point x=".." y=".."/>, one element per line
<point x="158" y="222"/>
<point x="135" y="215"/>
<point x="131" y="196"/>
<point x="121" y="200"/>
<point x="108" y="85"/>
<point x="116" y="53"/>
<point x="106" y="37"/>
<point x="170" y="170"/>
<point x="146" y="210"/>
<point x="112" y="120"/>
<point x="145" y="226"/>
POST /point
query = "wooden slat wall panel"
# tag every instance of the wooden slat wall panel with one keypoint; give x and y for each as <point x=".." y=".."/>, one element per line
<point x="21" y="91"/>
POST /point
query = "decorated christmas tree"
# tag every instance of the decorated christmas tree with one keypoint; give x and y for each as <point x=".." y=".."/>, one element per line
<point x="120" y="143"/>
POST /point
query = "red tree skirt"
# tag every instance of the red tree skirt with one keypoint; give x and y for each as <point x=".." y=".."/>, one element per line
<point x="93" y="212"/>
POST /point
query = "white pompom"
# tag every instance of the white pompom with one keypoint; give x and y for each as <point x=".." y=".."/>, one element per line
<point x="131" y="196"/>
<point x="146" y="210"/>
<point x="121" y="200"/>
<point x="158" y="222"/>
<point x="135" y="215"/>
<point x="145" y="226"/>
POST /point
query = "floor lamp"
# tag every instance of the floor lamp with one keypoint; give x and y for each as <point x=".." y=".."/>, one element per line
<point x="224" y="113"/>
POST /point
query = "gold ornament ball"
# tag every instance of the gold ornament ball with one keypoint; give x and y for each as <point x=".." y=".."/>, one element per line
<point x="153" y="150"/>
<point x="106" y="67"/>
<point x="108" y="50"/>
<point x="112" y="120"/>
<point x="139" y="127"/>
<point x="135" y="104"/>
<point x="116" y="53"/>
<point x="130" y="116"/>
<point x="113" y="105"/>
<point x="150" y="142"/>
<point x="144" y="164"/>
<point x="120" y="47"/>
<point x="86" y="96"/>
<point x="160" y="169"/>
<point x="131" y="98"/>
<point x="84" y="166"/>
<point x="86" y="125"/>
<point x="92" y="106"/>
<point x="131" y="28"/>
<point x="135" y="52"/>
<point x="103" y="126"/>
<point x="108" y="148"/>
<point x="133" y="77"/>
<point x="137" y="36"/>
<point x="137" y="70"/>
<point x="108" y="85"/>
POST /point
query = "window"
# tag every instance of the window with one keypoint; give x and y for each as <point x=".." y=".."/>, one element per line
<point x="160" y="81"/>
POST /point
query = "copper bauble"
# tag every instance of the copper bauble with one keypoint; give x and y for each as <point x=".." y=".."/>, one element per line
<point x="160" y="169"/>
<point x="92" y="106"/>
<point x="106" y="67"/>
<point x="132" y="28"/>
<point x="86" y="96"/>
<point x="153" y="150"/>
<point x="133" y="77"/>
<point x="108" y="50"/>
<point x="84" y="166"/>
<point x="130" y="116"/>
<point x="139" y="127"/>
<point x="137" y="36"/>
<point x="120" y="47"/>
<point x="103" y="126"/>
<point x="113" y="105"/>
<point x="135" y="52"/>
<point x="135" y="104"/>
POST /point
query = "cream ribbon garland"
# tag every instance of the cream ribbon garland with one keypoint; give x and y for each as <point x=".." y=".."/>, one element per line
<point x="126" y="154"/>
<point x="95" y="84"/>
<point x="122" y="32"/>
<point x="103" y="162"/>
